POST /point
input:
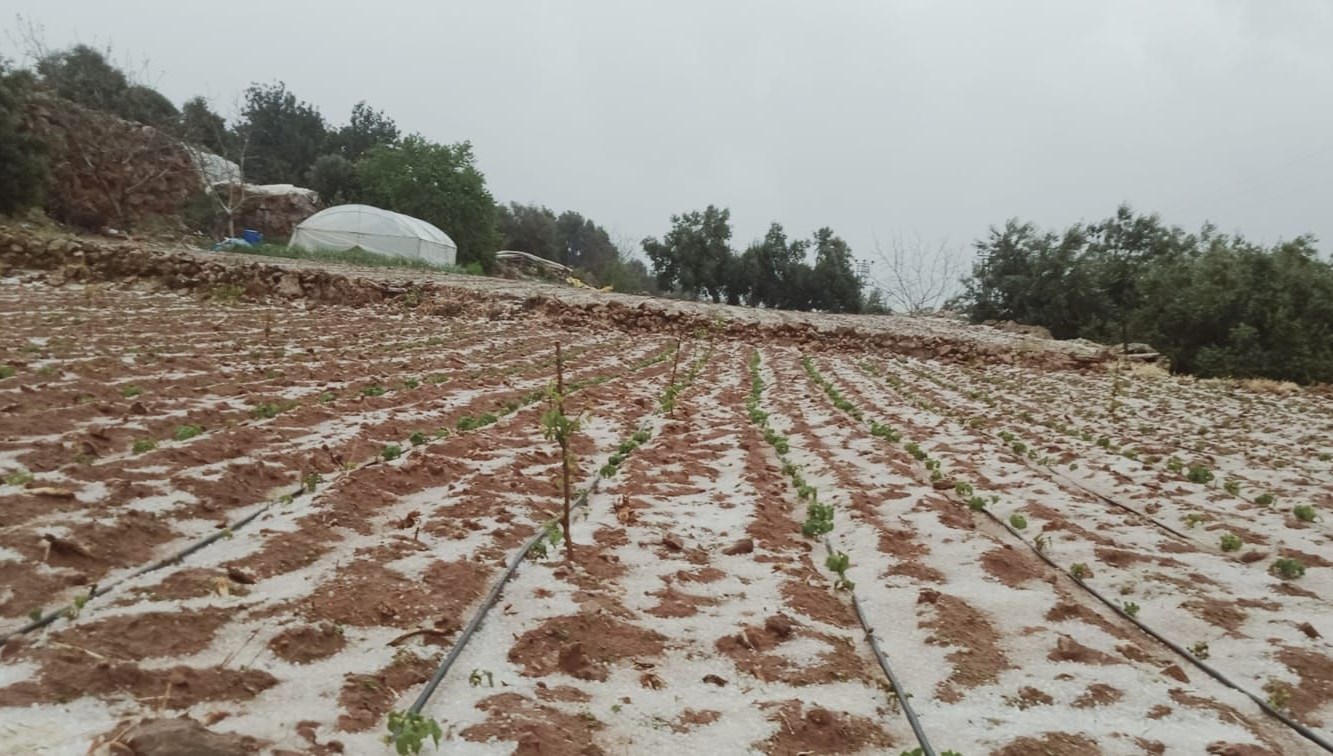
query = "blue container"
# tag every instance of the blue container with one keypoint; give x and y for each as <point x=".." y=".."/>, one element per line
<point x="252" y="236"/>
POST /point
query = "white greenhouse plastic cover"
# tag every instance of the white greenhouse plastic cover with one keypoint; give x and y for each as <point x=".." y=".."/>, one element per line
<point x="375" y="230"/>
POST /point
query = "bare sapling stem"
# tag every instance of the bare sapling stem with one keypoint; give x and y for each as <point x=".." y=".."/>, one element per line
<point x="675" y="363"/>
<point x="564" y="450"/>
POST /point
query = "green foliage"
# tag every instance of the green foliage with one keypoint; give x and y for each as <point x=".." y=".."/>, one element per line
<point x="417" y="438"/>
<point x="23" y="164"/>
<point x="1131" y="608"/>
<point x="1288" y="568"/>
<point x="1200" y="650"/>
<point x="373" y="390"/>
<point x="391" y="452"/>
<point x="438" y="183"/>
<point x="1265" y="499"/>
<point x="1303" y="512"/>
<point x="1018" y="521"/>
<point x="408" y="732"/>
<point x="818" y="519"/>
<point x="187" y="432"/>
<point x="266" y="410"/>
<point x="839" y="562"/>
<point x="129" y="392"/>
<point x="311" y="481"/>
<point x="1231" y="542"/>
<point x="976" y="504"/>
<point x="1216" y="305"/>
<point x="1080" y="571"/>
<point x="283" y="135"/>
<point x="18" y="478"/>
<point x="144" y="445"/>
<point x="911" y="447"/>
<point x="334" y="177"/>
<point x="1232" y="487"/>
<point x="366" y="129"/>
<point x="1199" y="475"/>
<point x="7" y="371"/>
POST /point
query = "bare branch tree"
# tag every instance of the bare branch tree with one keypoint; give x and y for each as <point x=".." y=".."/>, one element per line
<point x="920" y="278"/>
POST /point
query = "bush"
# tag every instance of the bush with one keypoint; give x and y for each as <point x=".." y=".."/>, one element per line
<point x="23" y="167"/>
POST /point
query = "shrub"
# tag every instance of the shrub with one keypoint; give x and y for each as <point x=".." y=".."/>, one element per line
<point x="1200" y="475"/>
<point x="1231" y="542"/>
<point x="1265" y="500"/>
<point x="391" y="452"/>
<point x="1288" y="568"/>
<point x="1303" y="512"/>
<point x="1018" y="521"/>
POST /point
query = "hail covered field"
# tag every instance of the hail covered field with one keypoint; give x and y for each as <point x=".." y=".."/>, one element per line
<point x="279" y="521"/>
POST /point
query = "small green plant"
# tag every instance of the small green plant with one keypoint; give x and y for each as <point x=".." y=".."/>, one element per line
<point x="1017" y="521"/>
<point x="311" y="480"/>
<point x="408" y="732"/>
<point x="80" y="601"/>
<point x="1175" y="465"/>
<point x="187" y="432"/>
<point x="911" y="447"/>
<point x="18" y="478"/>
<point x="130" y="392"/>
<point x="411" y="383"/>
<point x="1080" y="571"/>
<point x="1279" y="694"/>
<point x="475" y="679"/>
<point x="144" y="445"/>
<point x="7" y="371"/>
<point x="373" y="389"/>
<point x="976" y="504"/>
<point x="1104" y="442"/>
<point x="1231" y="542"/>
<point x="963" y="489"/>
<point x="818" y="519"/>
<point x="1265" y="499"/>
<point x="391" y="452"/>
<point x="1288" y="568"/>
<point x="1200" y="650"/>
<point x="641" y="437"/>
<point x="35" y="613"/>
<point x="1232" y="487"/>
<point x="1131" y="608"/>
<point x="1303" y="512"/>
<point x="1192" y="519"/>
<point x="326" y="397"/>
<point x="265" y="411"/>
<point x="1042" y="543"/>
<point x="1200" y="475"/>
<point x="417" y="438"/>
<point x="1019" y="447"/>
<point x="839" y="562"/>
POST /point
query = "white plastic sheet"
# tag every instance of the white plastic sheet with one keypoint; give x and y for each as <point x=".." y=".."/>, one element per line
<point x="374" y="230"/>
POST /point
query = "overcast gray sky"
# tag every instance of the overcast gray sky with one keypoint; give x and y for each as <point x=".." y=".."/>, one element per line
<point x="926" y="118"/>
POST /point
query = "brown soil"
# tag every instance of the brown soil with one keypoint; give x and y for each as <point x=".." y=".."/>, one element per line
<point x="674" y="603"/>
<point x="1098" y="694"/>
<point x="691" y="719"/>
<point x="752" y="650"/>
<point x="978" y="658"/>
<point x="367" y="698"/>
<point x="1069" y="650"/>
<point x="1012" y="567"/>
<point x="804" y="730"/>
<point x="538" y="729"/>
<point x="1028" y="697"/>
<point x="307" y="643"/>
<point x="1050" y="744"/>
<point x="1224" y="614"/>
<point x="583" y="646"/>
<point x="1315" y="689"/>
<point x="368" y="594"/>
<point x="144" y="636"/>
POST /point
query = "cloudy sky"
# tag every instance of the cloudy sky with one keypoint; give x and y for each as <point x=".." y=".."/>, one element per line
<point x="927" y="119"/>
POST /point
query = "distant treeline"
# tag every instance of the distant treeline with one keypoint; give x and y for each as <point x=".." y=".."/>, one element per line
<point x="1216" y="305"/>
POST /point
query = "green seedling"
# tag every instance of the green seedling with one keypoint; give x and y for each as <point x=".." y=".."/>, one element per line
<point x="266" y="411"/>
<point x="311" y="480"/>
<point x="912" y="448"/>
<point x="1232" y="487"/>
<point x="144" y="445"/>
<point x="963" y="489"/>
<point x="18" y="478"/>
<point x="1200" y="475"/>
<point x="1265" y="500"/>
<point x="411" y="383"/>
<point x="7" y="371"/>
<point x="1019" y="447"/>
<point x="839" y="562"/>
<point x="408" y="732"/>
<point x="1200" y="650"/>
<point x="391" y="452"/>
<point x="187" y="432"/>
<point x="1131" y="608"/>
<point x="1018" y="521"/>
<point x="1080" y="571"/>
<point x="1192" y="519"/>
<point x="1303" y="512"/>
<point x="417" y="438"/>
<point x="1175" y="465"/>
<point x="976" y="504"/>
<point x="642" y="437"/>
<point x="374" y="390"/>
<point x="130" y="392"/>
<point x="1231" y="542"/>
<point x="326" y="397"/>
<point x="818" y="520"/>
<point x="1288" y="568"/>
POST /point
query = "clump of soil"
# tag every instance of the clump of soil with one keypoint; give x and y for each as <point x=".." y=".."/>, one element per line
<point x="1011" y="567"/>
<point x="978" y="658"/>
<point x="752" y="649"/>
<point x="366" y="698"/>
<point x="172" y="737"/>
<point x="143" y="636"/>
<point x="368" y="594"/>
<point x="818" y="730"/>
<point x="1098" y="694"/>
<point x="1051" y="744"/>
<point x="1069" y="650"/>
<point x="1316" y="686"/>
<point x="538" y="729"/>
<point x="583" y="645"/>
<point x="690" y="719"/>
<point x="307" y="643"/>
<point x="1028" y="697"/>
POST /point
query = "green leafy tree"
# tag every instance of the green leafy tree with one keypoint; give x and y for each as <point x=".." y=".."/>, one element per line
<point x="83" y="75"/>
<point x="334" y="177"/>
<point x="691" y="257"/>
<point x="284" y="135"/>
<point x="147" y="105"/>
<point x="23" y="168"/>
<point x="836" y="287"/>
<point x="531" y="229"/>
<point x="438" y="183"/>
<point x="203" y="127"/>
<point x="585" y="245"/>
<point x="774" y="268"/>
<point x="367" y="129"/>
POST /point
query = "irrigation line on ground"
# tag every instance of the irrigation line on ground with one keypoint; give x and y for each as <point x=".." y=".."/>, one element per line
<point x="898" y="690"/>
<point x="103" y="589"/>
<point x="1208" y="669"/>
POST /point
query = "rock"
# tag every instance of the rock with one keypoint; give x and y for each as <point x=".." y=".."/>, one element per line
<point x="743" y="546"/>
<point x="182" y="737"/>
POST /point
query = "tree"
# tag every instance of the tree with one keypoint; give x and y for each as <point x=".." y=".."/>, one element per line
<point x="585" y="244"/>
<point x="439" y="184"/>
<point x="147" y="105"/>
<point x="920" y="278"/>
<point x="334" y="177"/>
<point x="531" y="229"/>
<point x="690" y="258"/>
<point x="285" y="135"/>
<point x="202" y="127"/>
<point x="837" y="289"/>
<point x="368" y="128"/>
<point x="82" y="74"/>
<point x="23" y="169"/>
<point x="772" y="267"/>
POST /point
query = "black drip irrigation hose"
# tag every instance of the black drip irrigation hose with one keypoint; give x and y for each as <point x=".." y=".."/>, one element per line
<point x="898" y="690"/>
<point x="102" y="590"/>
<point x="1208" y="669"/>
